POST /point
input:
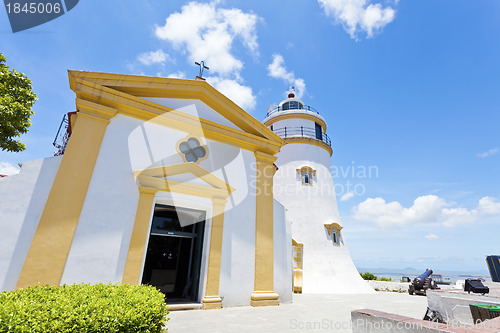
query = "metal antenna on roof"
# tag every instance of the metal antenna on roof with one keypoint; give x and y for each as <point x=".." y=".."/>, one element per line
<point x="202" y="66"/>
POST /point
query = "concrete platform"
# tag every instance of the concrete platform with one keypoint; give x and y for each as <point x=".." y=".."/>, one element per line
<point x="318" y="313"/>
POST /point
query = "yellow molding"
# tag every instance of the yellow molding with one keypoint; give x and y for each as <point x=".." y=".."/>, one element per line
<point x="144" y="86"/>
<point x="142" y="109"/>
<point x="263" y="293"/>
<point x="182" y="188"/>
<point x="155" y="177"/>
<point x="296" y="243"/>
<point x="212" y="300"/>
<point x="218" y="191"/>
<point x="50" y="246"/>
<point x="264" y="298"/>
<point x="139" y="236"/>
<point x="331" y="226"/>
<point x="310" y="141"/>
<point x="297" y="115"/>
<point x="94" y="109"/>
<point x="262" y="157"/>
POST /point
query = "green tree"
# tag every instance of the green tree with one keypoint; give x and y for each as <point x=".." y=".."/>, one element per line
<point x="368" y="276"/>
<point x="16" y="102"/>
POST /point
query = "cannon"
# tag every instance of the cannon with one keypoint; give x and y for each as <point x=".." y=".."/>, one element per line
<point x="421" y="283"/>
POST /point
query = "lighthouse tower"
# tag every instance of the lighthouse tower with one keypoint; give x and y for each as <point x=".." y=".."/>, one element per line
<point x="304" y="185"/>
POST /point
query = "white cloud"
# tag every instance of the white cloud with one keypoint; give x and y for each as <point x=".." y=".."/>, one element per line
<point x="205" y="32"/>
<point x="424" y="209"/>
<point x="488" y="206"/>
<point x="428" y="208"/>
<point x="489" y="153"/>
<point x="153" y="57"/>
<point x="431" y="236"/>
<point x="358" y="15"/>
<point x="458" y="216"/>
<point x="277" y="70"/>
<point x="240" y="94"/>
<point x="8" y="169"/>
<point x="177" y="75"/>
<point x="347" y="196"/>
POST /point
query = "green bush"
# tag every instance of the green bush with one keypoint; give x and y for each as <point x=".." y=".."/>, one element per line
<point x="83" y="308"/>
<point x="368" y="276"/>
<point x="384" y="279"/>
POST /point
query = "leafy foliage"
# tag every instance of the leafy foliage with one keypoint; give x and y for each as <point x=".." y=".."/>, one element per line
<point x="384" y="279"/>
<point x="16" y="101"/>
<point x="368" y="276"/>
<point x="83" y="308"/>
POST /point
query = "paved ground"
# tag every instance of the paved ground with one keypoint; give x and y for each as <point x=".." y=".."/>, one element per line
<point x="315" y="313"/>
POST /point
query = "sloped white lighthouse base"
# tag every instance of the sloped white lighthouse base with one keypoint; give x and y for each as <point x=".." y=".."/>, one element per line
<point x="331" y="271"/>
<point x="326" y="265"/>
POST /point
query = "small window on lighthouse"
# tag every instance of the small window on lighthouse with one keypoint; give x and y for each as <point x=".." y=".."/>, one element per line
<point x="334" y="232"/>
<point x="335" y="237"/>
<point x="306" y="174"/>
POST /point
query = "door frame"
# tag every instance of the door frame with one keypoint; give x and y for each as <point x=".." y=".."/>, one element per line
<point x="188" y="202"/>
<point x="202" y="239"/>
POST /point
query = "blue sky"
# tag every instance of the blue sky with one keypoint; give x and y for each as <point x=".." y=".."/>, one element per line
<point x="411" y="88"/>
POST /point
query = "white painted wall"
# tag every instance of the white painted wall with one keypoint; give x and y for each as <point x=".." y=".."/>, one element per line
<point x="289" y="123"/>
<point x="326" y="268"/>
<point x="283" y="265"/>
<point x="22" y="199"/>
<point x="100" y="244"/>
<point x="193" y="107"/>
<point x="238" y="245"/>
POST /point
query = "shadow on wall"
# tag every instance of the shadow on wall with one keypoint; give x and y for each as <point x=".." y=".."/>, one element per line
<point x="25" y="196"/>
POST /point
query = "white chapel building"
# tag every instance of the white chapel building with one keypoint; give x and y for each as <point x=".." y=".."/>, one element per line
<point x="168" y="182"/>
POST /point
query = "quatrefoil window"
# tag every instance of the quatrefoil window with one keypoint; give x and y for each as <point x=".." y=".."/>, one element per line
<point x="192" y="150"/>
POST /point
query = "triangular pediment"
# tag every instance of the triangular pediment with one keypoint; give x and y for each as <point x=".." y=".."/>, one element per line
<point x="129" y="93"/>
<point x="162" y="178"/>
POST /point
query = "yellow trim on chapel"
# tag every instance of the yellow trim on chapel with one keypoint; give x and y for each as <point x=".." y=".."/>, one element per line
<point x="140" y="234"/>
<point x="100" y="96"/>
<point x="152" y="180"/>
<point x="125" y="91"/>
<point x="50" y="246"/>
<point x="155" y="178"/>
<point x="263" y="293"/>
<point x="142" y="109"/>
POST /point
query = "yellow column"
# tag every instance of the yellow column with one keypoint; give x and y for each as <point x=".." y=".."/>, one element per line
<point x="264" y="255"/>
<point x="212" y="300"/>
<point x="50" y="246"/>
<point x="139" y="237"/>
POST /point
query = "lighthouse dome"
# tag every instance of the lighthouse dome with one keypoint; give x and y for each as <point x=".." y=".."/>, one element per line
<point x="291" y="103"/>
<point x="297" y="122"/>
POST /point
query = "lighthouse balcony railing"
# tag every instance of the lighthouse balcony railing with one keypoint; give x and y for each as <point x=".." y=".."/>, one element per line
<point x="300" y="131"/>
<point x="291" y="106"/>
